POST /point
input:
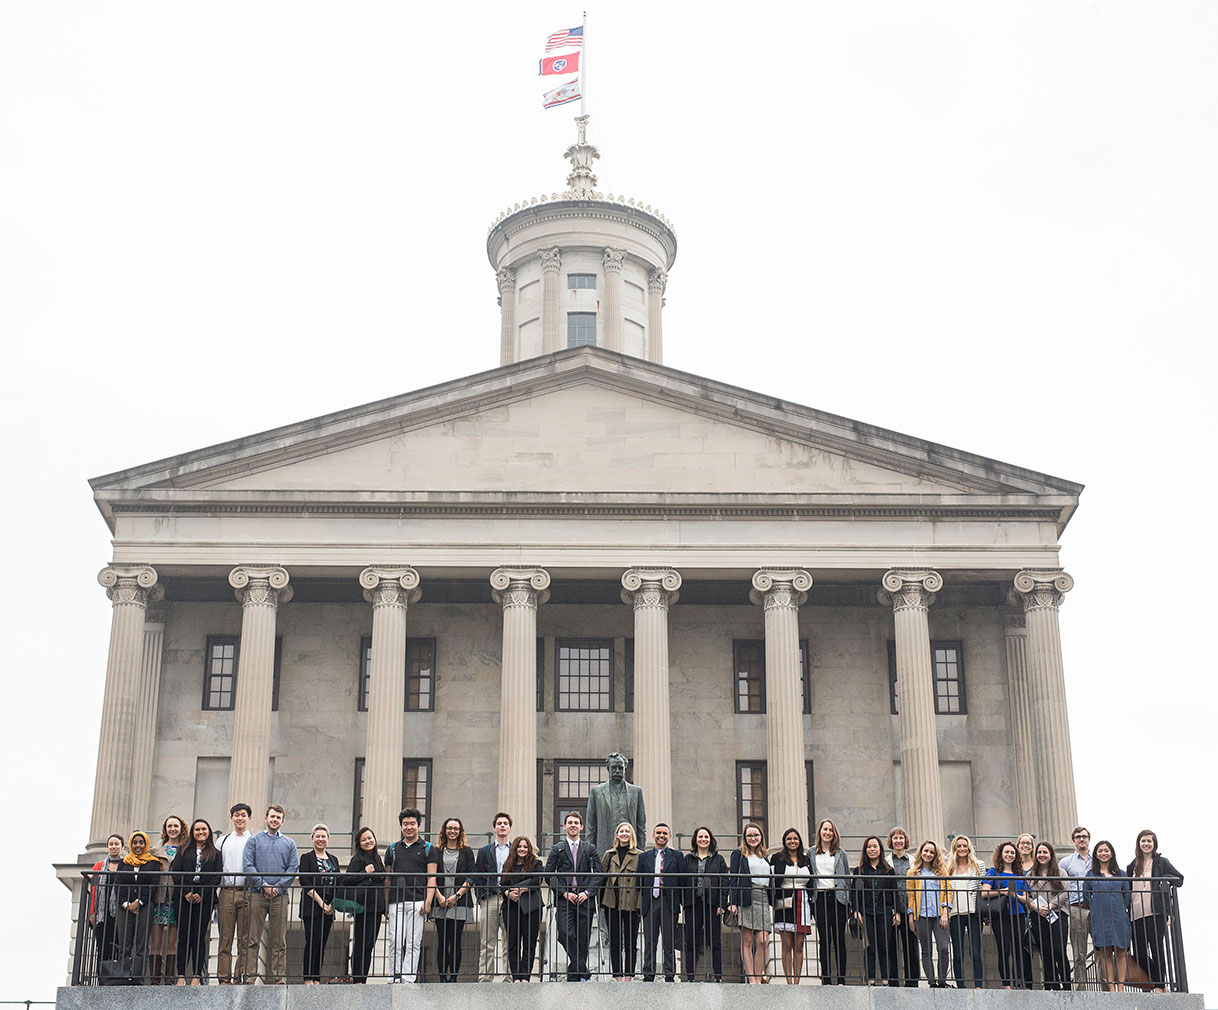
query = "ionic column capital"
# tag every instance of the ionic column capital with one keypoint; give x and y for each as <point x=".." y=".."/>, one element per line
<point x="657" y="281"/>
<point x="260" y="585"/>
<point x="780" y="588"/>
<point x="390" y="587"/>
<point x="520" y="587"/>
<point x="651" y="587"/>
<point x="551" y="260"/>
<point x="613" y="259"/>
<point x="131" y="584"/>
<point x="1042" y="588"/>
<point x="910" y="588"/>
<point x="505" y="277"/>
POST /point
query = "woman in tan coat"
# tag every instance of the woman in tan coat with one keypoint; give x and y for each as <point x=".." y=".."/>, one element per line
<point x="620" y="899"/>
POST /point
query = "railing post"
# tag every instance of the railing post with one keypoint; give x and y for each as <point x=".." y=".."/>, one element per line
<point x="82" y="927"/>
<point x="1176" y="938"/>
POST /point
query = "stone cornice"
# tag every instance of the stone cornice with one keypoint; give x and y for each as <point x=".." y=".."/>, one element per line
<point x="642" y="505"/>
<point x="596" y="366"/>
<point x="626" y="211"/>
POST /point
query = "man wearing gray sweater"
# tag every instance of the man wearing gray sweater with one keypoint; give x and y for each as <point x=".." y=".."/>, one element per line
<point x="270" y="861"/>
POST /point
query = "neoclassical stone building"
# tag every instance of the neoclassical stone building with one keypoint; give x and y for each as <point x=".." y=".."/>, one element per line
<point x="465" y="596"/>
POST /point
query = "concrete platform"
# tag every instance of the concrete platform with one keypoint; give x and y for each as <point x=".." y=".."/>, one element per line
<point x="617" y="996"/>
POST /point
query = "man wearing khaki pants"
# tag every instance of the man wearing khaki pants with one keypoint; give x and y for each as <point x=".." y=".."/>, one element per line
<point x="490" y="923"/>
<point x="270" y="861"/>
<point x="1077" y="864"/>
<point x="233" y="914"/>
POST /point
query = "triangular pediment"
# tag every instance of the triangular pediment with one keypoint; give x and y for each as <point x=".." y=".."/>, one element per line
<point x="580" y="422"/>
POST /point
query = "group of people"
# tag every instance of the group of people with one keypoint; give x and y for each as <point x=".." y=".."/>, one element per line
<point x="151" y="907"/>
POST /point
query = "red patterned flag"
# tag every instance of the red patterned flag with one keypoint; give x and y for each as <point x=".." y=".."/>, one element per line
<point x="568" y="38"/>
<point x="568" y="63"/>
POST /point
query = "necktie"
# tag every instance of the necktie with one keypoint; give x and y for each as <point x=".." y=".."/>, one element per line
<point x="574" y="865"/>
<point x="658" y="882"/>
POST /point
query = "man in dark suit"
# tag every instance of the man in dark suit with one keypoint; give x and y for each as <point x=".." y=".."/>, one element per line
<point x="660" y="888"/>
<point x="574" y="871"/>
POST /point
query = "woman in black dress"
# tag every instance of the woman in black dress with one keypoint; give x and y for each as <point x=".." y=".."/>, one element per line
<point x="364" y="885"/>
<point x="195" y="872"/>
<point x="873" y="899"/>
<point x="318" y="883"/>
<point x="1150" y="906"/>
<point x="136" y="885"/>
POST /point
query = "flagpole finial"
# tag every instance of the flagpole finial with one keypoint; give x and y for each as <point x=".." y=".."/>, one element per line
<point x="581" y="182"/>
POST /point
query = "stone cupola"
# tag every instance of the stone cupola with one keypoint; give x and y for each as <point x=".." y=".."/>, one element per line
<point x="579" y="267"/>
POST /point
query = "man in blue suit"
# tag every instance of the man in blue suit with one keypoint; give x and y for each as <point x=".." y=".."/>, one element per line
<point x="574" y="871"/>
<point x="660" y="887"/>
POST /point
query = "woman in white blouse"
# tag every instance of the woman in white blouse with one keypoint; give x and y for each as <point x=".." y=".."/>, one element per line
<point x="965" y="914"/>
<point x="792" y="914"/>
<point x="831" y="879"/>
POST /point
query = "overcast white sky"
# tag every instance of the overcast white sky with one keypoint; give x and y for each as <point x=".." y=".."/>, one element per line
<point x="990" y="225"/>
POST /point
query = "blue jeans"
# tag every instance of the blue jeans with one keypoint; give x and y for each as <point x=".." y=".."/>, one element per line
<point x="960" y="924"/>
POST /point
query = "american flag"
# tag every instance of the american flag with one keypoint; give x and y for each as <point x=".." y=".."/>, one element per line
<point x="568" y="38"/>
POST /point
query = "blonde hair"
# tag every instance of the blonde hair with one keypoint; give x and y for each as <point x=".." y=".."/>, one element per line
<point x="744" y="846"/>
<point x="634" y="839"/>
<point x="974" y="867"/>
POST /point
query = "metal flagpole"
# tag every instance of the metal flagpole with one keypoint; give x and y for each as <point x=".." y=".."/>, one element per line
<point x="583" y="74"/>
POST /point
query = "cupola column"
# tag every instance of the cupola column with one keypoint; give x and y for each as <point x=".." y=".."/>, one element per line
<point x="507" y="315"/>
<point x="612" y="264"/>
<point x="657" y="281"/>
<point x="551" y="262"/>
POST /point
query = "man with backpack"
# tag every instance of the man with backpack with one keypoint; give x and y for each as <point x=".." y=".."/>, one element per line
<point x="410" y="891"/>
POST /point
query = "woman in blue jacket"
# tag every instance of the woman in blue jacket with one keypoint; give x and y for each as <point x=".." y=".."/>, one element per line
<point x="1009" y="919"/>
<point x="750" y="895"/>
<point x="1106" y="890"/>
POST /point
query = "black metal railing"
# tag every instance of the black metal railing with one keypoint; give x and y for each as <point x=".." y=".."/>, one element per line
<point x="852" y="930"/>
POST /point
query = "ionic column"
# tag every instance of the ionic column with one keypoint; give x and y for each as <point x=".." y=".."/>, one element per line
<point x="520" y="591"/>
<point x="911" y="593"/>
<point x="260" y="589"/>
<point x="145" y="731"/>
<point x="551" y="261"/>
<point x="657" y="281"/>
<point x="1042" y="593"/>
<point x="1026" y="803"/>
<point x="506" y="278"/>
<point x="129" y="588"/>
<point x="612" y="264"/>
<point x="780" y="592"/>
<point x="390" y="591"/>
<point x="651" y="591"/>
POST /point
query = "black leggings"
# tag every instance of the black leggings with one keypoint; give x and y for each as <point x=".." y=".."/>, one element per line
<point x="522" y="930"/>
<point x="702" y="930"/>
<point x="317" y="932"/>
<point x="448" y="948"/>
<point x="194" y="932"/>
<point x="830" y="917"/>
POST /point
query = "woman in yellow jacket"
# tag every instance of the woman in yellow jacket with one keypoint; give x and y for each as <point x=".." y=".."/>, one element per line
<point x="928" y="891"/>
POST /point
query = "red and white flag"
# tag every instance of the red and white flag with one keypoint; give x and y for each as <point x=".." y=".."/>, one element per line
<point x="568" y="38"/>
<point x="568" y="63"/>
<point x="561" y="95"/>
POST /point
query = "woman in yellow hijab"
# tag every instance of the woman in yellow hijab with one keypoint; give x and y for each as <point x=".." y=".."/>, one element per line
<point x="138" y="877"/>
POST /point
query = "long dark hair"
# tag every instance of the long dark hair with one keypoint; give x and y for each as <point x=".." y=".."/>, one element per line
<point x="515" y="865"/>
<point x="1138" y="864"/>
<point x="693" y="844"/>
<point x="373" y="857"/>
<point x="1113" y="866"/>
<point x="864" y="861"/>
<point x="1051" y="868"/>
<point x="999" y="864"/>
<point x="209" y="847"/>
<point x="786" y="853"/>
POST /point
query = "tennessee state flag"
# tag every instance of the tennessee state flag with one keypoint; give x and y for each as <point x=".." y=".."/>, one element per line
<point x="565" y="64"/>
